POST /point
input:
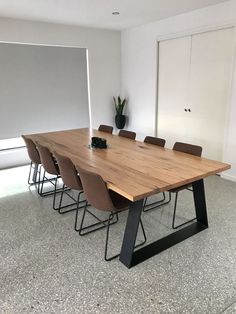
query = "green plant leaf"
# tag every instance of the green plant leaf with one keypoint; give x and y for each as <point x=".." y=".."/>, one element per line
<point x="119" y="105"/>
<point x="115" y="103"/>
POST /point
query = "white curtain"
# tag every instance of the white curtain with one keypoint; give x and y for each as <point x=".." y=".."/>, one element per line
<point x="42" y="88"/>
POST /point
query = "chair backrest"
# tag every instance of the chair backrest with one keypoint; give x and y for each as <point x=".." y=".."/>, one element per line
<point x="32" y="150"/>
<point x="188" y="148"/>
<point x="48" y="162"/>
<point x="68" y="172"/>
<point x="155" y="141"/>
<point x="95" y="190"/>
<point x="129" y="134"/>
<point x="105" y="128"/>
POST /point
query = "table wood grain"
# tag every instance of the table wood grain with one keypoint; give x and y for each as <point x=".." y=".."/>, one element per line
<point x="131" y="168"/>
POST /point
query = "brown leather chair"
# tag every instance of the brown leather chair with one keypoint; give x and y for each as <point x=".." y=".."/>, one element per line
<point x="105" y="128"/>
<point x="71" y="180"/>
<point x="50" y="166"/>
<point x="161" y="143"/>
<point x="35" y="162"/>
<point x="188" y="149"/>
<point x="98" y="195"/>
<point x="155" y="141"/>
<point x="128" y="134"/>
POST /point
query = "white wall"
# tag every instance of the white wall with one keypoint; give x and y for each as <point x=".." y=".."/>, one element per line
<point x="103" y="50"/>
<point x="139" y="68"/>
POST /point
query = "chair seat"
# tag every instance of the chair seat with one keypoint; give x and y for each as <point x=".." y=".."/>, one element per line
<point x="120" y="203"/>
<point x="180" y="188"/>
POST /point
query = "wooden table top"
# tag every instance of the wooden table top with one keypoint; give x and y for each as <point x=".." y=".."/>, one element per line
<point x="131" y="168"/>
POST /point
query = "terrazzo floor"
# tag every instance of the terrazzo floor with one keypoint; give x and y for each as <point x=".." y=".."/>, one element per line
<point x="46" y="267"/>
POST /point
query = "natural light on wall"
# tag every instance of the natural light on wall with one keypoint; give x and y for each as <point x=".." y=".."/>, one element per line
<point x="14" y="181"/>
<point x="11" y="143"/>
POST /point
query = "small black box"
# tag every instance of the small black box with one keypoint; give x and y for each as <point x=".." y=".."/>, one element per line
<point x="98" y="142"/>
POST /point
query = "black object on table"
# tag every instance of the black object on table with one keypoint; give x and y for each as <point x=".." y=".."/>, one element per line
<point x="98" y="142"/>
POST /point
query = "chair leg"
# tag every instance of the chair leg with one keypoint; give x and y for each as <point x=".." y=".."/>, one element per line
<point x="55" y="194"/>
<point x="37" y="180"/>
<point x="174" y="215"/>
<point x="76" y="214"/>
<point x="107" y="239"/>
<point x="144" y="234"/>
<point x="144" y="203"/>
<point x="101" y="224"/>
<point x="62" y="193"/>
<point x="146" y="207"/>
<point x="82" y="220"/>
<point x="31" y="164"/>
<point x="40" y="189"/>
<point x="41" y="185"/>
<point x="77" y="202"/>
<point x="44" y="180"/>
<point x="49" y="192"/>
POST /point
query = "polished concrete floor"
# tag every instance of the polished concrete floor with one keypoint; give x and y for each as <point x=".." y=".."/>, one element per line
<point x="46" y="267"/>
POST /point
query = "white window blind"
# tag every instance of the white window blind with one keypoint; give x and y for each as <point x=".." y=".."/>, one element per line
<point x="42" y="88"/>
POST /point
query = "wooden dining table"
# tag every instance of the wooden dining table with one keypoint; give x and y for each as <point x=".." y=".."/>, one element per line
<point x="137" y="170"/>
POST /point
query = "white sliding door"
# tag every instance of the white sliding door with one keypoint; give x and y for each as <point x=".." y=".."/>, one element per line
<point x="193" y="90"/>
<point x="211" y="66"/>
<point x="174" y="60"/>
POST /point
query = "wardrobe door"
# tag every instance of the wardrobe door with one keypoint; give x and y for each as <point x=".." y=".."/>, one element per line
<point x="173" y="77"/>
<point x="210" y="74"/>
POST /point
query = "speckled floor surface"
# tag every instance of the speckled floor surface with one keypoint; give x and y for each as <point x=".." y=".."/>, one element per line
<point x="45" y="267"/>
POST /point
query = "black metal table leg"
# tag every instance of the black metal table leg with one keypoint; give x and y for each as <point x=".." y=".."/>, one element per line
<point x="130" y="258"/>
<point x="200" y="202"/>
<point x="131" y="229"/>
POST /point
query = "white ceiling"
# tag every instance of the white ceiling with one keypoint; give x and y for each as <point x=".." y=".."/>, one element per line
<point x="98" y="13"/>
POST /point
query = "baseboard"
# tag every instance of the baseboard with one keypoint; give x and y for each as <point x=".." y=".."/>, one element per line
<point x="228" y="177"/>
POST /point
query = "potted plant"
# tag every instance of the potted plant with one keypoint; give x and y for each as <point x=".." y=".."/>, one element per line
<point x="120" y="118"/>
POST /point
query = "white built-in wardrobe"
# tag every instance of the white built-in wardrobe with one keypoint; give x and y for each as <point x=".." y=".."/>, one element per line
<point x="194" y="77"/>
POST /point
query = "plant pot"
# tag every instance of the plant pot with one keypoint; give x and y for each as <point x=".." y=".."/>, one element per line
<point x="120" y="120"/>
